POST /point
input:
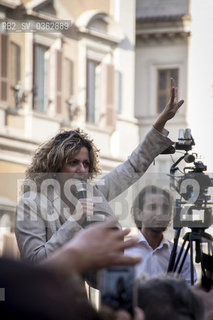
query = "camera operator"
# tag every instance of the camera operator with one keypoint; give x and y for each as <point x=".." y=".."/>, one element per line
<point x="152" y="209"/>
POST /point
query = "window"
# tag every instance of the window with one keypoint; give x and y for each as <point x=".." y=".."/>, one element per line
<point x="100" y="104"/>
<point x="93" y="91"/>
<point x="3" y="67"/>
<point x="40" y="77"/>
<point x="163" y="93"/>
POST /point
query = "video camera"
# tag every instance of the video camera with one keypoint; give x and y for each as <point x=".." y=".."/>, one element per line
<point x="192" y="209"/>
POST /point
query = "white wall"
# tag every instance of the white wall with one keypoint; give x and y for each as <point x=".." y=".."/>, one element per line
<point x="126" y="130"/>
<point x="150" y="57"/>
<point x="200" y="81"/>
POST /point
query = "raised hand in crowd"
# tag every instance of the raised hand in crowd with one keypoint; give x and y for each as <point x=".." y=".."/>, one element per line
<point x="99" y="245"/>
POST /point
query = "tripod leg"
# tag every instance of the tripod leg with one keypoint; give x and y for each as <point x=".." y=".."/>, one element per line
<point x="180" y="254"/>
<point x="191" y="260"/>
<point x="189" y="246"/>
<point x="207" y="263"/>
<point x="184" y="258"/>
<point x="174" y="250"/>
<point x="210" y="249"/>
<point x="198" y="251"/>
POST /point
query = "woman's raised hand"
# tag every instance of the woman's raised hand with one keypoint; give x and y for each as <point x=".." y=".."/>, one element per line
<point x="170" y="109"/>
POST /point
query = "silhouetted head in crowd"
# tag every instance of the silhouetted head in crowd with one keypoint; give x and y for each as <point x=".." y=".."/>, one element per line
<point x="36" y="293"/>
<point x="169" y="299"/>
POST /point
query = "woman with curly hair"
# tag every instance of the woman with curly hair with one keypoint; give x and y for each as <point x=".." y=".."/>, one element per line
<point x="53" y="208"/>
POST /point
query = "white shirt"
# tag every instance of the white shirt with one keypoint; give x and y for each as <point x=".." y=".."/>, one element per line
<point x="156" y="261"/>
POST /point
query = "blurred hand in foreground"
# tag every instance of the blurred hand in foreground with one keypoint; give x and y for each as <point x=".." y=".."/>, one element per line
<point x="99" y="245"/>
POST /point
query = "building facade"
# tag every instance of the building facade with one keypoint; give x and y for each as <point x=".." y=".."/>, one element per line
<point x="108" y="74"/>
<point x="51" y="81"/>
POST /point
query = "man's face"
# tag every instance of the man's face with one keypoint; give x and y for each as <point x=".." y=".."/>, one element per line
<point x="156" y="212"/>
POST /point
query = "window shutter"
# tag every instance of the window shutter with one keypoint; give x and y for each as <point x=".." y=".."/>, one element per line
<point x="15" y="70"/>
<point x="4" y="58"/>
<point x="68" y="84"/>
<point x="110" y="96"/>
<point x="58" y="81"/>
<point x="35" y="76"/>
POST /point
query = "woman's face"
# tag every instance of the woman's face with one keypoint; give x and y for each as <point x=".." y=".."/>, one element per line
<point x="76" y="168"/>
<point x="78" y="164"/>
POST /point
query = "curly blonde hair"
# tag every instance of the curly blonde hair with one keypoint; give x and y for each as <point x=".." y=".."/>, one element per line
<point x="51" y="156"/>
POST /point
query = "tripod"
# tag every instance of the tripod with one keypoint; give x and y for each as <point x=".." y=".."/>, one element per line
<point x="197" y="236"/>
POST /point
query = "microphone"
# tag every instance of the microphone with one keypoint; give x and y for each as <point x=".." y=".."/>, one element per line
<point x="81" y="193"/>
<point x="81" y="190"/>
